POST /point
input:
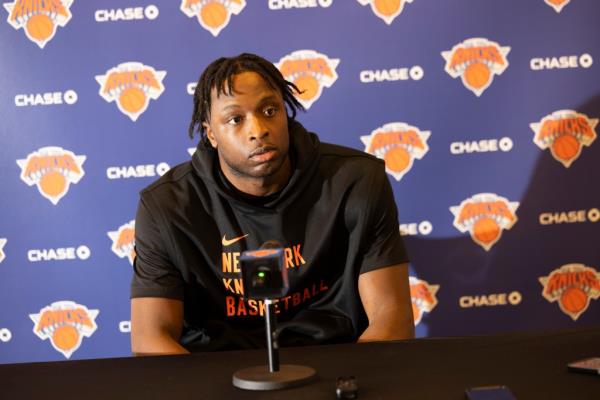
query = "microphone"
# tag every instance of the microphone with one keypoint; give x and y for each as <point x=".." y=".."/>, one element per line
<point x="264" y="275"/>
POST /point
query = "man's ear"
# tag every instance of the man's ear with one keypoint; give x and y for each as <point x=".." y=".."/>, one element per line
<point x="209" y="134"/>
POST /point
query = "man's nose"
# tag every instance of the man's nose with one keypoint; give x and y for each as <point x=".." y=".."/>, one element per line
<point x="257" y="129"/>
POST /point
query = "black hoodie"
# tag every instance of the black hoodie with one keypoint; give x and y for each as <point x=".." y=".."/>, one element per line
<point x="336" y="218"/>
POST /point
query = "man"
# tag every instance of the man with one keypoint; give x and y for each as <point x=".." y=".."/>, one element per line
<point x="258" y="175"/>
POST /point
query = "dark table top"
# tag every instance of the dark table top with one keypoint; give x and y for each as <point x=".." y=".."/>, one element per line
<point x="532" y="365"/>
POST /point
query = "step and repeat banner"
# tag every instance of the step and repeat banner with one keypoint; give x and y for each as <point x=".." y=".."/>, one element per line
<point x="485" y="112"/>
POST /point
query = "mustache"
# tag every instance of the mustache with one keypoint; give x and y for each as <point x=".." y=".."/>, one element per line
<point x="261" y="150"/>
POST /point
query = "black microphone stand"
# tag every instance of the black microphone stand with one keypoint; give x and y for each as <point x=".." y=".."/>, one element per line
<point x="276" y="376"/>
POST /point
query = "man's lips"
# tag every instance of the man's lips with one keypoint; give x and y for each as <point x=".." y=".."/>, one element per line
<point x="263" y="154"/>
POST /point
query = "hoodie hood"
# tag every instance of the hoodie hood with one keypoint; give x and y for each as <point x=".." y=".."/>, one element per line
<point x="303" y="152"/>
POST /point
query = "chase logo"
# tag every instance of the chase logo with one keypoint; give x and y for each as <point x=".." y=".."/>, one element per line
<point x="123" y="241"/>
<point x="213" y="15"/>
<point x="131" y="85"/>
<point x="563" y="62"/>
<point x="126" y="14"/>
<point x="398" y="144"/>
<point x="387" y="10"/>
<point x="572" y="286"/>
<point x="52" y="169"/>
<point x="564" y="132"/>
<point x="39" y="18"/>
<point x="137" y="171"/>
<point x="557" y="4"/>
<point x="46" y="99"/>
<point x="310" y="71"/>
<point x="485" y="216"/>
<point x="289" y="4"/>
<point x="422" y="228"/>
<point x="423" y="298"/>
<point x="2" y="244"/>
<point x="59" y="254"/>
<point x="65" y="323"/>
<point x="476" y="61"/>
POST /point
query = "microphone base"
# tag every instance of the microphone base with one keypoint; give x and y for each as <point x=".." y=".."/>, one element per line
<point x="259" y="377"/>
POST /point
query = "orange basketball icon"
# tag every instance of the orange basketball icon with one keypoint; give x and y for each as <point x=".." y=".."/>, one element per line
<point x="565" y="147"/>
<point x="132" y="100"/>
<point x="387" y="10"/>
<point x="39" y="18"/>
<point x="574" y="300"/>
<point x="397" y="159"/>
<point x="477" y="75"/>
<point x="387" y="7"/>
<point x="65" y="337"/>
<point x="53" y="183"/>
<point x="214" y="14"/>
<point x="40" y="27"/>
<point x="486" y="230"/>
<point x="557" y="4"/>
<point x="308" y="86"/>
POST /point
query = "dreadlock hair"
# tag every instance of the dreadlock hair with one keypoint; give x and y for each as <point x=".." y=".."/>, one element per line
<point x="219" y="74"/>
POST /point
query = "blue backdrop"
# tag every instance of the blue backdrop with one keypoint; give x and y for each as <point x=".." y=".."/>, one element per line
<point x="485" y="113"/>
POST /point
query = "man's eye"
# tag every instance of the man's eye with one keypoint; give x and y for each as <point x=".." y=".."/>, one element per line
<point x="270" y="111"/>
<point x="234" y="120"/>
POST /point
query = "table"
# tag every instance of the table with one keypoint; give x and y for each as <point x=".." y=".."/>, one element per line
<point x="532" y="365"/>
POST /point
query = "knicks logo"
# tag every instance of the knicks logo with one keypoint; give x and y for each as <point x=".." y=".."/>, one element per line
<point x="387" y="10"/>
<point x="557" y="4"/>
<point x="423" y="298"/>
<point x="398" y="144"/>
<point x="65" y="323"/>
<point x="572" y="285"/>
<point x="565" y="132"/>
<point x="124" y="241"/>
<point x="310" y="71"/>
<point x="52" y="169"/>
<point x="39" y="18"/>
<point x="476" y="61"/>
<point x="2" y="243"/>
<point x="213" y="15"/>
<point x="484" y="216"/>
<point x="131" y="85"/>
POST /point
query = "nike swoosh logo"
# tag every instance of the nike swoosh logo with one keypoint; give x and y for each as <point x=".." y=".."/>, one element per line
<point x="228" y="242"/>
